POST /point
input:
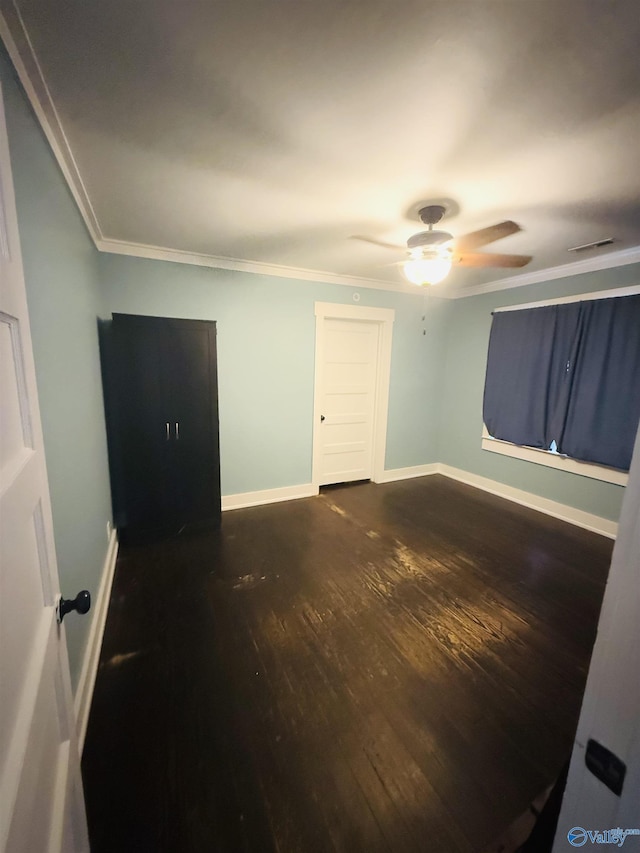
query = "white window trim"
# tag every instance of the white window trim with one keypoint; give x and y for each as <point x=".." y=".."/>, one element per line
<point x="632" y="290"/>
<point x="553" y="460"/>
<point x="545" y="457"/>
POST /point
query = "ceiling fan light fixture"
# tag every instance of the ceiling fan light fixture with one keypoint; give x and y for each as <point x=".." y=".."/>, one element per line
<point x="429" y="268"/>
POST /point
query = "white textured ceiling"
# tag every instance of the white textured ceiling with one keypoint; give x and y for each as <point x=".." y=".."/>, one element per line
<point x="272" y="131"/>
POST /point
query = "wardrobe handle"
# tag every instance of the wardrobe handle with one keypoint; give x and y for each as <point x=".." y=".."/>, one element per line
<point x="177" y="431"/>
<point x="168" y="431"/>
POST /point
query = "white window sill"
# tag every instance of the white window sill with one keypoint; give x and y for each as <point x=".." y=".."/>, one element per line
<point x="553" y="460"/>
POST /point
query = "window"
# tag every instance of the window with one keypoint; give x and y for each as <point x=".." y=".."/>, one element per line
<point x="565" y="379"/>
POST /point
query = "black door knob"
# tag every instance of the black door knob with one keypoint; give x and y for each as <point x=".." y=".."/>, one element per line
<point x="321" y="417"/>
<point x="81" y="603"/>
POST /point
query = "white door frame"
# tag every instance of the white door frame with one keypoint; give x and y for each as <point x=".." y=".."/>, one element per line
<point x="384" y="318"/>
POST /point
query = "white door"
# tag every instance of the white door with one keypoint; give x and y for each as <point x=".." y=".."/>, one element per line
<point x="353" y="355"/>
<point x="610" y="713"/>
<point x="347" y="400"/>
<point x="41" y="801"/>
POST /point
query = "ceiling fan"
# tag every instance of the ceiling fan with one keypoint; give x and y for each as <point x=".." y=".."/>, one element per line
<point x="432" y="253"/>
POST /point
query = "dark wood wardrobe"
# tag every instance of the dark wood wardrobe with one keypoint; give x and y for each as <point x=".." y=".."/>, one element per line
<point x="161" y="395"/>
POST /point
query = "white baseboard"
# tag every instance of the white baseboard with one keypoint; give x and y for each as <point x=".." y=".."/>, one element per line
<point x="268" y="496"/>
<point x="579" y="517"/>
<point x="394" y="474"/>
<point x="595" y="523"/>
<point x="307" y="490"/>
<point x="87" y="680"/>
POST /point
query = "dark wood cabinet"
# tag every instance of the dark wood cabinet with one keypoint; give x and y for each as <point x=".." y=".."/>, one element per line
<point x="162" y="414"/>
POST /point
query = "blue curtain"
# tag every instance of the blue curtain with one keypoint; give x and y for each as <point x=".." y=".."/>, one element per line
<point x="567" y="373"/>
<point x="526" y="380"/>
<point x="603" y="408"/>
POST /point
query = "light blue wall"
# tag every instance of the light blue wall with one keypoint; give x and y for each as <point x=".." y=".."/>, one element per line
<point x="266" y="344"/>
<point x="60" y="266"/>
<point x="464" y="368"/>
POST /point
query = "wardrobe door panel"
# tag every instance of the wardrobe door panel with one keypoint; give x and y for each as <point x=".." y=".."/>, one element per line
<point x="143" y="434"/>
<point x="191" y="401"/>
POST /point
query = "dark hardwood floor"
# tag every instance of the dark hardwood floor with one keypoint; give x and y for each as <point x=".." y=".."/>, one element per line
<point x="382" y="668"/>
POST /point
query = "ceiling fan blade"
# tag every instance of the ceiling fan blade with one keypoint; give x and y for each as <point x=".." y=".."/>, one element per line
<point x="486" y="259"/>
<point x="475" y="239"/>
<point x="381" y="243"/>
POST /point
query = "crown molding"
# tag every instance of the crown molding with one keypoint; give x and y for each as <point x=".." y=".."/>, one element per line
<point x="20" y="49"/>
<point x="602" y="262"/>
<point x="157" y="253"/>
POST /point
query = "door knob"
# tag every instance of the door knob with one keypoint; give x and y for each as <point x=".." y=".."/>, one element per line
<point x="321" y="418"/>
<point x="81" y="603"/>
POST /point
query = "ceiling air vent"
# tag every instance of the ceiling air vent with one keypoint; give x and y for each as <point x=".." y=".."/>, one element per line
<point x="597" y="244"/>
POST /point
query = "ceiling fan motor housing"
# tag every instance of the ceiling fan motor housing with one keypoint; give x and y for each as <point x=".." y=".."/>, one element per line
<point x="428" y="240"/>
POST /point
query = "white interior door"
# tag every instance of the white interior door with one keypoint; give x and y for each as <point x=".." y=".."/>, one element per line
<point x="347" y="400"/>
<point x="353" y="356"/>
<point x="41" y="800"/>
<point x="610" y="713"/>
